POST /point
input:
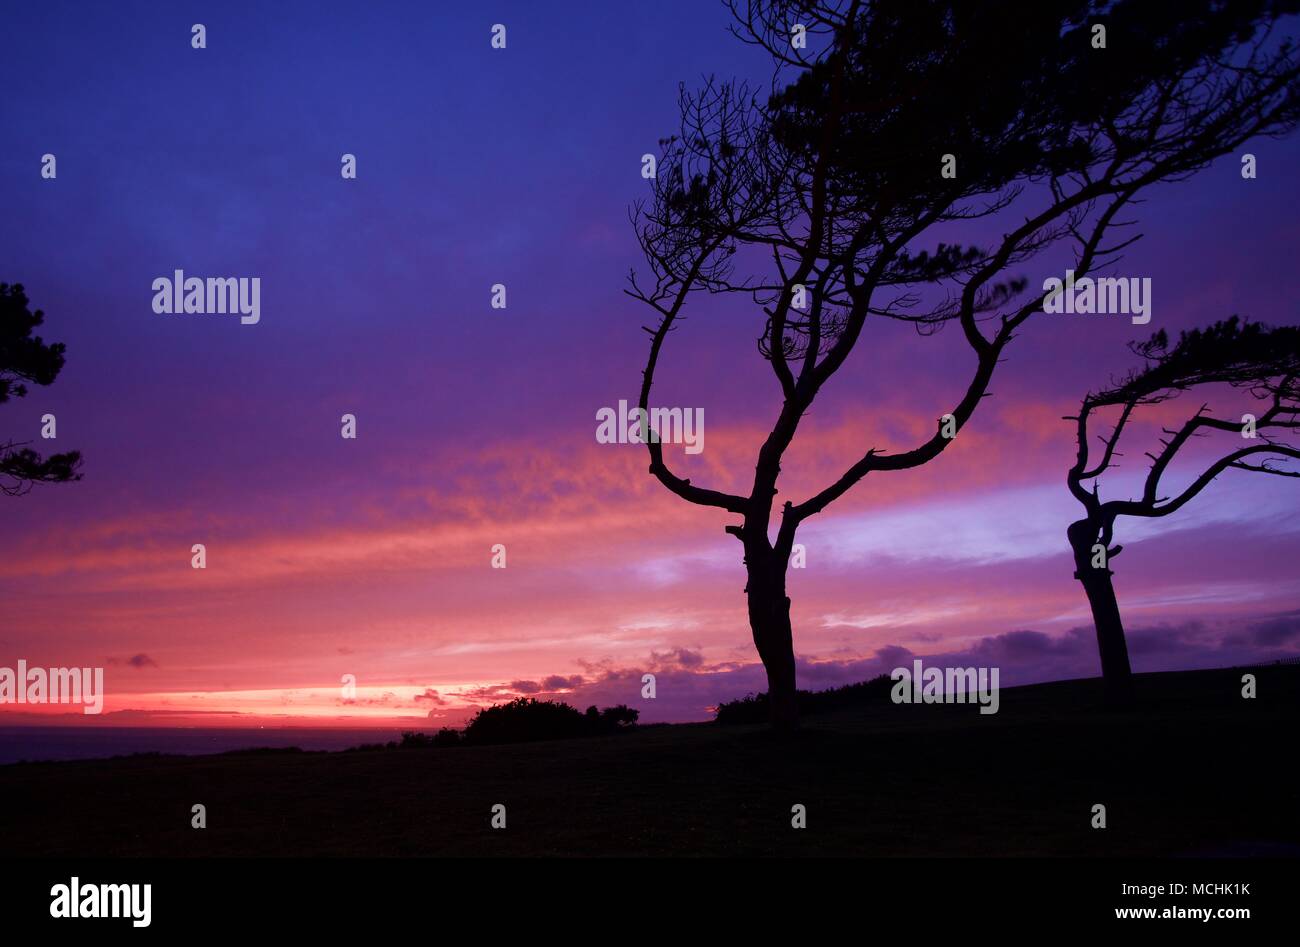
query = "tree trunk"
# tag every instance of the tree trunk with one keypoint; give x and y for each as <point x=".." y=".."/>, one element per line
<point x="769" y="620"/>
<point x="1115" y="669"/>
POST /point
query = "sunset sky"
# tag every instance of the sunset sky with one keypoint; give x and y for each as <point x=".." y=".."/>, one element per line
<point x="476" y="426"/>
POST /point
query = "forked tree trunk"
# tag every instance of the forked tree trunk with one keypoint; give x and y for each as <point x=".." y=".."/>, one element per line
<point x="769" y="620"/>
<point x="1097" y="584"/>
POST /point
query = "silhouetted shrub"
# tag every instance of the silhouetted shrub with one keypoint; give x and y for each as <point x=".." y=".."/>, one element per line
<point x="753" y="708"/>
<point x="447" y="737"/>
<point x="618" y="717"/>
<point x="519" y="721"/>
<point x="526" y="719"/>
<point x="523" y="720"/>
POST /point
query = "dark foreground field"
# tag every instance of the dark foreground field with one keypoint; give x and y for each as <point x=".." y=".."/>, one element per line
<point x="1193" y="769"/>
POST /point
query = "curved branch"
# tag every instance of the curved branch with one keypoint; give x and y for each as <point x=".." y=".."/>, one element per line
<point x="682" y="487"/>
<point x="1152" y="508"/>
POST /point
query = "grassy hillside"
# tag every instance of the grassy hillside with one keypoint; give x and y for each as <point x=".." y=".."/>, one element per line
<point x="1193" y="769"/>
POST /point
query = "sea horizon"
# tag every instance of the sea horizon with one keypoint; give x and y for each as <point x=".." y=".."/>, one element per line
<point x="42" y="744"/>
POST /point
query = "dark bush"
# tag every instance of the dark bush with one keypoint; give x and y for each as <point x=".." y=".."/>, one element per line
<point x="618" y="717"/>
<point x="523" y="720"/>
<point x="519" y="721"/>
<point x="753" y="708"/>
<point x="447" y="737"/>
<point x="526" y="719"/>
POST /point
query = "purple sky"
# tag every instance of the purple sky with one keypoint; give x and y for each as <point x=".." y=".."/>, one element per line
<point x="476" y="426"/>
